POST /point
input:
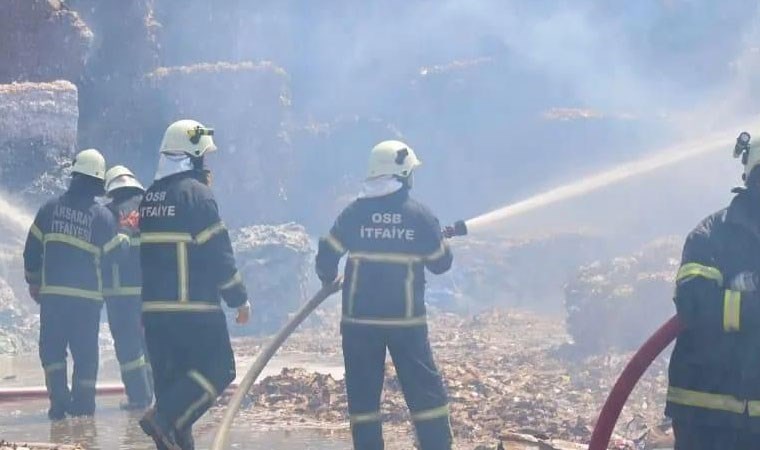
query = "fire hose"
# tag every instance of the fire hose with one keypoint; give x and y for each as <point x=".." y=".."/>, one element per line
<point x="636" y="367"/>
<point x="221" y="439"/>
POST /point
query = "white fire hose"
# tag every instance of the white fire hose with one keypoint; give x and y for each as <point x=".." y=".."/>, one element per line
<point x="221" y="439"/>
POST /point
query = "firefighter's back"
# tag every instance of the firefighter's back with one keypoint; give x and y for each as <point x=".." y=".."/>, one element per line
<point x="175" y="277"/>
<point x="389" y="240"/>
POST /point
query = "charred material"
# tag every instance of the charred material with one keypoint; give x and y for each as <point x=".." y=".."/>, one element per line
<point x="618" y="303"/>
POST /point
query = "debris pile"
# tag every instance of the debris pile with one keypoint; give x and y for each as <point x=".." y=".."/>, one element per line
<point x="42" y="40"/>
<point x="497" y="270"/>
<point x="619" y="303"/>
<point x="506" y="373"/>
<point x="5" y="445"/>
<point x="275" y="261"/>
<point x="39" y="122"/>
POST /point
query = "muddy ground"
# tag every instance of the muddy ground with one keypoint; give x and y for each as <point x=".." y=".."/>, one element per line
<point x="506" y="371"/>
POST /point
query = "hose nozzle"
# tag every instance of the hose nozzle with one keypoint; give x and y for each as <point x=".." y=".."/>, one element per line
<point x="458" y="229"/>
<point x="742" y="146"/>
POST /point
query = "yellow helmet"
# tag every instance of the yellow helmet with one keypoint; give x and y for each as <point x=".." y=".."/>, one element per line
<point x="392" y="158"/>
<point x="188" y="137"/>
<point x="91" y="163"/>
<point x="119" y="177"/>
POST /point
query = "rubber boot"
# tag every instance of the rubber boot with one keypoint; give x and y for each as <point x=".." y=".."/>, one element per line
<point x="58" y="391"/>
<point x="82" y="399"/>
<point x="139" y="389"/>
<point x="185" y="439"/>
<point x="159" y="430"/>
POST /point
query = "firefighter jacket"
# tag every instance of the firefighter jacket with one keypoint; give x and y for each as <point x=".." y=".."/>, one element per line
<point x="125" y="275"/>
<point x="185" y="250"/>
<point x="390" y="240"/>
<point x="71" y="241"/>
<point x="715" y="367"/>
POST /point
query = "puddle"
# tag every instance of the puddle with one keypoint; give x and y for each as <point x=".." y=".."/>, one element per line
<point x="115" y="429"/>
<point x="112" y="428"/>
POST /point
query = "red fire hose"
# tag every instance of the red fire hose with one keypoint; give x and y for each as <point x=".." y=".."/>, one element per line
<point x="636" y="367"/>
<point x="10" y="395"/>
<point x="40" y="392"/>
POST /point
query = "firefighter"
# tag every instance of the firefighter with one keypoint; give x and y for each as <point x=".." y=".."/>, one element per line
<point x="714" y="392"/>
<point x="390" y="240"/>
<point x="187" y="266"/>
<point x="123" y="295"/>
<point x="70" y="239"/>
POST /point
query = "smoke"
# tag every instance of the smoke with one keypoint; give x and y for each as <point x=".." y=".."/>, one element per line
<point x="468" y="82"/>
<point x="501" y="98"/>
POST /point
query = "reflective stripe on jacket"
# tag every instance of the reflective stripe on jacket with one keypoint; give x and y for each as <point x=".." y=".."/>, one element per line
<point x="70" y="241"/>
<point x="715" y="367"/>
<point x="389" y="240"/>
<point x="185" y="250"/>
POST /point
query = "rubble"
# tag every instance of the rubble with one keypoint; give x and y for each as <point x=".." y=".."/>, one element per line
<point x="39" y="122"/>
<point x="42" y="40"/>
<point x="275" y="261"/>
<point x="4" y="445"/>
<point x="498" y="270"/>
<point x="619" y="303"/>
<point x="506" y="373"/>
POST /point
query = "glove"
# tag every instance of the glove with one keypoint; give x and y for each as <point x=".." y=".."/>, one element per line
<point x="334" y="285"/>
<point x="243" y="313"/>
<point x="746" y="281"/>
<point x="34" y="292"/>
<point x="125" y="243"/>
<point x="458" y="229"/>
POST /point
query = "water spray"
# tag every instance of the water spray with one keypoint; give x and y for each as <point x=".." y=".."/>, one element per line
<point x="623" y="172"/>
<point x="19" y="220"/>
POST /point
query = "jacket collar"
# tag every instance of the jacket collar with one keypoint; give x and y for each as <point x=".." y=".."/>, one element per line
<point x="744" y="212"/>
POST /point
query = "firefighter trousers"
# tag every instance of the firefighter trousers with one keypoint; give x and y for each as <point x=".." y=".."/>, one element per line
<point x="691" y="436"/>
<point x="73" y="323"/>
<point x="192" y="361"/>
<point x="364" y="350"/>
<point x="125" y="321"/>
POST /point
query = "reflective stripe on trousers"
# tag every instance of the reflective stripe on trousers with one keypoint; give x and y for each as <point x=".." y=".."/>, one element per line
<point x="208" y="396"/>
<point x="370" y="417"/>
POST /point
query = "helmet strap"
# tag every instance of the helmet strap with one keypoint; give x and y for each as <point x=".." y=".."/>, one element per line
<point x="407" y="181"/>
<point x="201" y="170"/>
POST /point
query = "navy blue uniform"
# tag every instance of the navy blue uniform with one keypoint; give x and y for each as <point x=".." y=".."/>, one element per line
<point x="715" y="367"/>
<point x="187" y="268"/>
<point x="390" y="241"/>
<point x="123" y="301"/>
<point x="68" y="243"/>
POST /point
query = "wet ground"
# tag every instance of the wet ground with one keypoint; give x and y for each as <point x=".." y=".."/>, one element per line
<point x="112" y="428"/>
<point x="507" y="373"/>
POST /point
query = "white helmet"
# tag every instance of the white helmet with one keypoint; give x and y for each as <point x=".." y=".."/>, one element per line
<point x="392" y="158"/>
<point x="750" y="155"/>
<point x="91" y="163"/>
<point x="119" y="177"/>
<point x="188" y="137"/>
